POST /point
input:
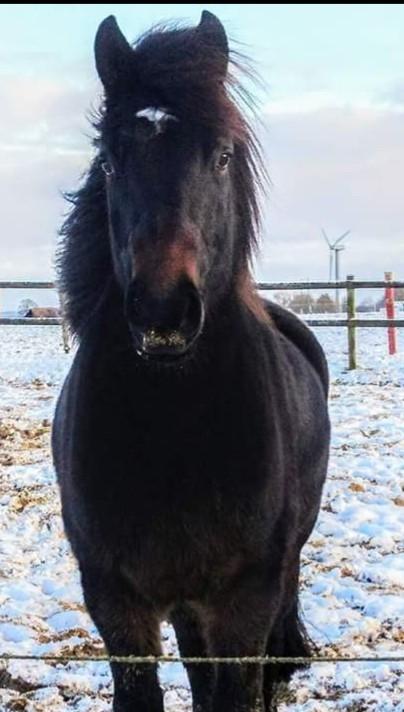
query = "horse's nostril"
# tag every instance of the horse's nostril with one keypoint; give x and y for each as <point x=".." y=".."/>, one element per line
<point x="193" y="312"/>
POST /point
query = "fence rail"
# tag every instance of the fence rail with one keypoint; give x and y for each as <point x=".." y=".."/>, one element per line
<point x="31" y="321"/>
<point x="57" y="321"/>
<point x="355" y="322"/>
<point x="272" y="286"/>
<point x="357" y="284"/>
<point x="27" y="285"/>
<point x="350" y="285"/>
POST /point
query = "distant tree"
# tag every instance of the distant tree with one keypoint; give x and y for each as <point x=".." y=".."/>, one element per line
<point x="283" y="299"/>
<point x="366" y="305"/>
<point x="398" y="297"/>
<point x="324" y="304"/>
<point x="302" y="303"/>
<point x="25" y="305"/>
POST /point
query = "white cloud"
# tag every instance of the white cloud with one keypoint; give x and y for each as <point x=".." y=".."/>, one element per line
<point x="43" y="151"/>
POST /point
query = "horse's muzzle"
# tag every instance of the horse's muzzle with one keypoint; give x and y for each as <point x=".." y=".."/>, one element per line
<point x="164" y="326"/>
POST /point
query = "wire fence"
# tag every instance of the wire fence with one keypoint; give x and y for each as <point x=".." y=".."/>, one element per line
<point x="243" y="660"/>
<point x="352" y="323"/>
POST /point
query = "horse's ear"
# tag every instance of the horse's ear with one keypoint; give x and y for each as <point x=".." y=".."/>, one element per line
<point x="112" y="52"/>
<point x="214" y="34"/>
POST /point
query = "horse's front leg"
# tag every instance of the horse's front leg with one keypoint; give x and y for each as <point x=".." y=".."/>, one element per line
<point x="192" y="643"/>
<point x="128" y="626"/>
<point x="238" y="626"/>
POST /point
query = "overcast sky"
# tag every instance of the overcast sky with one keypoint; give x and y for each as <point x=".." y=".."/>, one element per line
<point x="333" y="111"/>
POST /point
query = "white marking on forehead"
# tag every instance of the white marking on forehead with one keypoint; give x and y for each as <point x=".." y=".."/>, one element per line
<point x="155" y="114"/>
<point x="158" y="116"/>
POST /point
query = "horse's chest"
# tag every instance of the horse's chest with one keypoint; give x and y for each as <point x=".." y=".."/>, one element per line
<point x="179" y="466"/>
<point x="180" y="497"/>
<point x="190" y="551"/>
<point x="183" y="526"/>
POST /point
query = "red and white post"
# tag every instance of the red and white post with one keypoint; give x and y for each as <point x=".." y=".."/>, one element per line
<point x="390" y="313"/>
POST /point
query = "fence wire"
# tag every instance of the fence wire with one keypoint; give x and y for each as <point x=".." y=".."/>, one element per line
<point x="245" y="660"/>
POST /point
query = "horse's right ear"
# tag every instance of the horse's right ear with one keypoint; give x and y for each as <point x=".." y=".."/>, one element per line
<point x="112" y="52"/>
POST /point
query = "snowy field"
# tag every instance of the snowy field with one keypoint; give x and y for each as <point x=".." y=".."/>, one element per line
<point x="352" y="568"/>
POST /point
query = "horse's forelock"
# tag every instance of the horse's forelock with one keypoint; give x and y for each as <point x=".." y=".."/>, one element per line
<point x="185" y="71"/>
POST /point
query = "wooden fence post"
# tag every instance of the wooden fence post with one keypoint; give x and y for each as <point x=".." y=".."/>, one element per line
<point x="351" y="327"/>
<point x="390" y="313"/>
<point x="65" y="328"/>
<point x="65" y="336"/>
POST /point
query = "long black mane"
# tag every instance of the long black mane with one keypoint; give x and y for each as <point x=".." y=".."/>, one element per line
<point x="184" y="74"/>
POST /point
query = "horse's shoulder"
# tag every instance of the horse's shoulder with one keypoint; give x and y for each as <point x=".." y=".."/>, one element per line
<point x="296" y="331"/>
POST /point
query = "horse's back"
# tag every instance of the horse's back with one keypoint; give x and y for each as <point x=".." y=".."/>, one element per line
<point x="296" y="331"/>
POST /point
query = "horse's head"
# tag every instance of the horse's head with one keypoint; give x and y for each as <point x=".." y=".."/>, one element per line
<point x="175" y="152"/>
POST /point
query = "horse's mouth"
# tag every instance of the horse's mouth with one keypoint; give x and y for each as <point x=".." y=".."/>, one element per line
<point x="157" y="341"/>
<point x="165" y="347"/>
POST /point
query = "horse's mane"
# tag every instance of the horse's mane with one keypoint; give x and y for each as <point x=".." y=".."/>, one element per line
<point x="185" y="74"/>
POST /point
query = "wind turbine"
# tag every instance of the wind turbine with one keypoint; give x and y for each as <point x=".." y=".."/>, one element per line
<point x="335" y="249"/>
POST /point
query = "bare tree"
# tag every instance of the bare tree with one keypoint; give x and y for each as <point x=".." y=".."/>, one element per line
<point x="25" y="305"/>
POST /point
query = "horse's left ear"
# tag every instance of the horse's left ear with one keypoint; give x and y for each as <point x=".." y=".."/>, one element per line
<point x="214" y="34"/>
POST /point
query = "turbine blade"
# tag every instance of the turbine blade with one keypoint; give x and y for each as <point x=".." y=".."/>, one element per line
<point x="325" y="237"/>
<point x="342" y="237"/>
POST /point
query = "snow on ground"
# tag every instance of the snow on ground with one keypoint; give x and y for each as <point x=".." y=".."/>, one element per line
<point x="352" y="568"/>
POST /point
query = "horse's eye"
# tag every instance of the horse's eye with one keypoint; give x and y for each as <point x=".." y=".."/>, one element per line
<point x="107" y="168"/>
<point x="223" y="161"/>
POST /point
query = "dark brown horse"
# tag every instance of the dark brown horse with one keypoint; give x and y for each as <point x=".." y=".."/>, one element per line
<point x="191" y="436"/>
